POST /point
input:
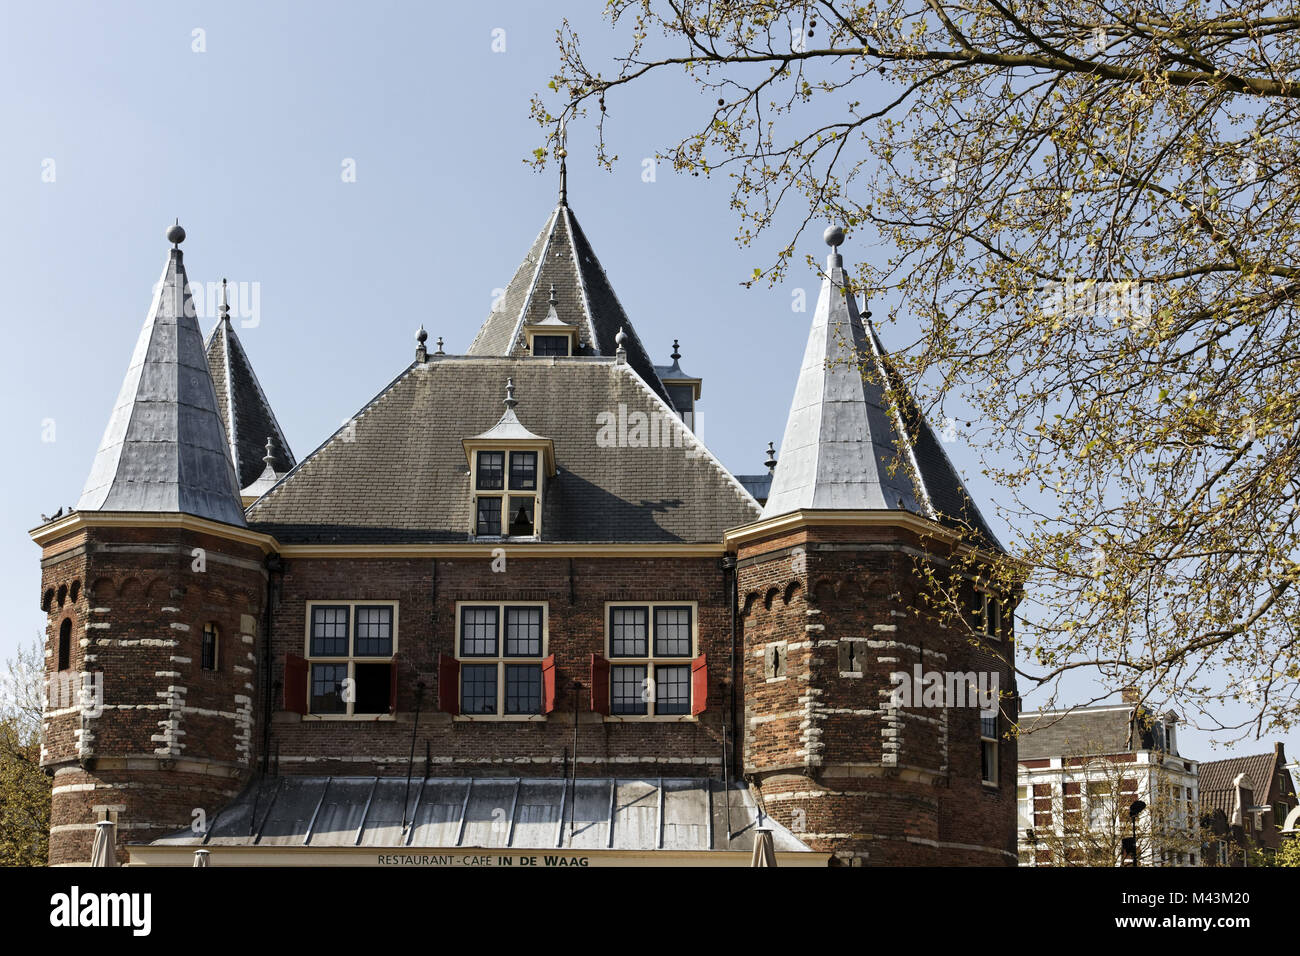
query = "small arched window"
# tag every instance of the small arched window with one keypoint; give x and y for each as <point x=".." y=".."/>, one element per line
<point x="65" y="644"/>
<point x="47" y="602"/>
<point x="208" y="657"/>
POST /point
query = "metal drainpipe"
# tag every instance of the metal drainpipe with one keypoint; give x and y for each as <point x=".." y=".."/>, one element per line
<point x="729" y="569"/>
<point x="274" y="570"/>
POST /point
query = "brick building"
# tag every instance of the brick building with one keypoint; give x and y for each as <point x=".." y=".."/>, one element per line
<point x="1247" y="802"/>
<point x="513" y="604"/>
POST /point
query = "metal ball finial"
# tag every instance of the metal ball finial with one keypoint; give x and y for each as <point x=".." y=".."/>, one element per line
<point x="621" y="339"/>
<point x="834" y="236"/>
<point x="175" y="233"/>
<point x="421" y="336"/>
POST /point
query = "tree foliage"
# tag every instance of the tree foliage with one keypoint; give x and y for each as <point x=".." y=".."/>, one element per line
<point x="1090" y="216"/>
<point x="24" y="787"/>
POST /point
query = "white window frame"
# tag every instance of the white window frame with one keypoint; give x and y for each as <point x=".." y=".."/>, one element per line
<point x="351" y="659"/>
<point x="990" y="741"/>
<point x="505" y="494"/>
<point x="501" y="660"/>
<point x="651" y="661"/>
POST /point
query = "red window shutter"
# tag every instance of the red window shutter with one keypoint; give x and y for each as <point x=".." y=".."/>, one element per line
<point x="295" y="684"/>
<point x="448" y="684"/>
<point x="699" y="685"/>
<point x="548" y="684"/>
<point x="392" y="687"/>
<point x="599" y="684"/>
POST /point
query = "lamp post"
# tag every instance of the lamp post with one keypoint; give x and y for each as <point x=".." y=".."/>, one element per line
<point x="1131" y="843"/>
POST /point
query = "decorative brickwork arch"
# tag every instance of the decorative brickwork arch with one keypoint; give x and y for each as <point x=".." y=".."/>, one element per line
<point x="768" y="598"/>
<point x="63" y="594"/>
<point x="47" y="601"/>
<point x="748" y="605"/>
<point x="74" y="592"/>
<point x="792" y="590"/>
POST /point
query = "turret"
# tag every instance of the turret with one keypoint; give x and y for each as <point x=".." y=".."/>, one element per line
<point x="839" y="632"/>
<point x="156" y="590"/>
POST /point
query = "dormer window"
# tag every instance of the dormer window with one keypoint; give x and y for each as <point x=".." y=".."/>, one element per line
<point x="508" y="466"/>
<point x="552" y="336"/>
<point x="514" y="504"/>
<point x="551" y="345"/>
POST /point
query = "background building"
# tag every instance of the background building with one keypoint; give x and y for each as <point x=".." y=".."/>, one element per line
<point x="1080" y="772"/>
<point x="1248" y="804"/>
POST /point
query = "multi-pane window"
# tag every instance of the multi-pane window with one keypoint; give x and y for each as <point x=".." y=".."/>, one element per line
<point x="1024" y="808"/>
<point x="350" y="650"/>
<point x="989" y="749"/>
<point x="208" y="648"/>
<point x="1101" y="806"/>
<point x="650" y="652"/>
<point x="986" y="614"/>
<point x="501" y="649"/>
<point x="505" y="493"/>
<point x="544" y="345"/>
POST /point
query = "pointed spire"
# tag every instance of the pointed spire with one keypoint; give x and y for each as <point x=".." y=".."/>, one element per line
<point x="846" y="445"/>
<point x="165" y="449"/>
<point x="562" y="256"/>
<point x="245" y="412"/>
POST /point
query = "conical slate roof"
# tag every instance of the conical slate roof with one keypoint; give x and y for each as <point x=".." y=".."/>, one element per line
<point x="562" y="256"/>
<point x="164" y="449"/>
<point x="246" y="414"/>
<point x="844" y="447"/>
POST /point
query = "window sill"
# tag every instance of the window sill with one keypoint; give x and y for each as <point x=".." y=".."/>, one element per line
<point x="501" y="718"/>
<point x="505" y="539"/>
<point x="652" y="718"/>
<point x="358" y="718"/>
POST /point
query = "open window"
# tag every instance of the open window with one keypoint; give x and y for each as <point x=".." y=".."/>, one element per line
<point x="350" y="666"/>
<point x="208" y="647"/>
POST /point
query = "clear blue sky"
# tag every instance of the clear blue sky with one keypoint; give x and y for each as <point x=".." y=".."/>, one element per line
<point x="245" y="144"/>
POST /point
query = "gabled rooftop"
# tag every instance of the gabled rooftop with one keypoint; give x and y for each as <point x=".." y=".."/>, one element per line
<point x="629" y="471"/>
<point x="165" y="449"/>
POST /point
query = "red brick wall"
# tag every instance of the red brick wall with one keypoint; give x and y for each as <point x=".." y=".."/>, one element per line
<point x="576" y="593"/>
<point x="832" y="762"/>
<point x="171" y="738"/>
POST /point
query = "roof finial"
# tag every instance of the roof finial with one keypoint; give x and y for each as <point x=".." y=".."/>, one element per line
<point x="269" y="457"/>
<point x="421" y="353"/>
<point x="676" y="353"/>
<point x="552" y="295"/>
<point x="176" y="235"/>
<point x="563" y="151"/>
<point x="620" y="352"/>
<point x="834" y="236"/>
<point x="510" y="401"/>
<point x="440" y="351"/>
<point x="771" y="458"/>
<point x="225" y="303"/>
